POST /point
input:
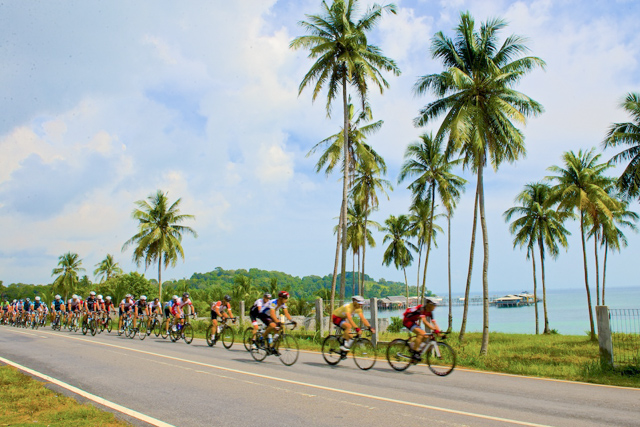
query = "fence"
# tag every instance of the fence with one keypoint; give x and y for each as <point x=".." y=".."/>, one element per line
<point x="625" y="336"/>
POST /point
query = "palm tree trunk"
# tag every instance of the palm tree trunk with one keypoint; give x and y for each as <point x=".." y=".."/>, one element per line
<point x="426" y="259"/>
<point x="418" y="278"/>
<point x="471" y="254"/>
<point x="353" y="275"/>
<point x="586" y="276"/>
<point x="535" y="289"/>
<point x="335" y="269"/>
<point x="358" y="281"/>
<point x="345" y="184"/>
<point x="604" y="268"/>
<point x="485" y="267"/>
<point x="449" y="269"/>
<point x="544" y="288"/>
<point x="595" y="251"/>
<point x="406" y="285"/>
<point x="364" y="249"/>
<point x="160" y="277"/>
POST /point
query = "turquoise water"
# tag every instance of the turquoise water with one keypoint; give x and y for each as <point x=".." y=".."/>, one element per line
<point x="566" y="308"/>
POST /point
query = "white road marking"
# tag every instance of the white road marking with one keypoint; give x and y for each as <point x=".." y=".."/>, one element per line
<point x="87" y="395"/>
<point x="316" y="386"/>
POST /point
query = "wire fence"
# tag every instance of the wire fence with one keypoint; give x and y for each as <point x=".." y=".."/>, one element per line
<point x="625" y="336"/>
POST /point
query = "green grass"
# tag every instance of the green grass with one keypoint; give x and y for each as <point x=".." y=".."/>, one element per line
<point x="25" y="401"/>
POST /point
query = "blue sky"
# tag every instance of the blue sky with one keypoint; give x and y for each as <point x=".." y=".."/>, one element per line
<point x="106" y="102"/>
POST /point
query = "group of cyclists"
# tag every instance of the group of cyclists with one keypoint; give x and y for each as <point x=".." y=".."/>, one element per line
<point x="418" y="319"/>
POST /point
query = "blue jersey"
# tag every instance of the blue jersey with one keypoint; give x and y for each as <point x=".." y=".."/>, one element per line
<point x="266" y="307"/>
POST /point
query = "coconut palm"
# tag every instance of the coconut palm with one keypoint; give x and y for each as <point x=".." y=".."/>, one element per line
<point x="159" y="237"/>
<point x="366" y="184"/>
<point x="107" y="268"/>
<point x="612" y="235"/>
<point x="426" y="162"/>
<point x="581" y="185"/>
<point x="627" y="134"/>
<point x="476" y="95"/>
<point x="537" y="223"/>
<point x="338" y="43"/>
<point x="425" y="230"/>
<point x="359" y="235"/>
<point x="399" y="250"/>
<point x="69" y="265"/>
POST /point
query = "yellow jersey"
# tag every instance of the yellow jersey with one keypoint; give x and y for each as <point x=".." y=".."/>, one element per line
<point x="348" y="309"/>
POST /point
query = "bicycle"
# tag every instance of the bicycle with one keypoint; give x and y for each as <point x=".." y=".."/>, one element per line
<point x="284" y="346"/>
<point x="362" y="349"/>
<point x="247" y="337"/>
<point x="141" y="327"/>
<point x="56" y="322"/>
<point x="225" y="332"/>
<point x="182" y="331"/>
<point x="127" y="327"/>
<point x="73" y="322"/>
<point x="440" y="357"/>
<point x="89" y="325"/>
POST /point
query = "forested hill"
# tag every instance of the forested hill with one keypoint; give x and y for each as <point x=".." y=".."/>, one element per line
<point x="305" y="287"/>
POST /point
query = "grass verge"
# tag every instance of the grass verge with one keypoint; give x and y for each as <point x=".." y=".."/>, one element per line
<point x="25" y="401"/>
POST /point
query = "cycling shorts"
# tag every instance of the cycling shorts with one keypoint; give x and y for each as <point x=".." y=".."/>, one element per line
<point x="265" y="318"/>
<point x="337" y="320"/>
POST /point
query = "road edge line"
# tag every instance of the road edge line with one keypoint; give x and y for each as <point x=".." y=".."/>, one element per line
<point x="111" y="405"/>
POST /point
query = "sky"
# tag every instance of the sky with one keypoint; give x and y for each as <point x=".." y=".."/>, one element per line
<point x="105" y="102"/>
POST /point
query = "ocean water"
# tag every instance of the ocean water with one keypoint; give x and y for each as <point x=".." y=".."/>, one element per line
<point x="566" y="308"/>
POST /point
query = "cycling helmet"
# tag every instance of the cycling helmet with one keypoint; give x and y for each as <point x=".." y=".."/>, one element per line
<point x="58" y="297"/>
<point x="185" y="295"/>
<point x="74" y="296"/>
<point x="93" y="294"/>
<point x="430" y="301"/>
<point x="128" y="296"/>
<point x="227" y="298"/>
<point x="283" y="294"/>
<point x="99" y="296"/>
<point x="358" y="299"/>
<point x="156" y="299"/>
<point x="37" y="298"/>
<point x="266" y="295"/>
<point x="28" y="299"/>
<point x="143" y="297"/>
<point x="108" y="298"/>
<point x="175" y="297"/>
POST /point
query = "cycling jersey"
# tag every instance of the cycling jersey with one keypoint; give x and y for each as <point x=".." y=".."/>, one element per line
<point x="36" y="305"/>
<point x="126" y="305"/>
<point x="26" y="306"/>
<point x="180" y="303"/>
<point x="349" y="308"/>
<point x="142" y="305"/>
<point x="153" y="305"/>
<point x="92" y="304"/>
<point x="75" y="304"/>
<point x="266" y="307"/>
<point x="413" y="315"/>
<point x="57" y="305"/>
<point x="107" y="305"/>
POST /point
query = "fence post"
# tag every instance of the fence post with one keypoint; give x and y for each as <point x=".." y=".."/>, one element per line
<point x="604" y="335"/>
<point x="319" y="316"/>
<point x="373" y="308"/>
<point x="241" y="312"/>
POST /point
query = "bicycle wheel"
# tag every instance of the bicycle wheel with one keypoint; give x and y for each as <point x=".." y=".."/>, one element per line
<point x="93" y="327"/>
<point x="399" y="354"/>
<point x="175" y="335"/>
<point x="259" y="351"/>
<point x="85" y="328"/>
<point x="287" y="348"/>
<point x="331" y="350"/>
<point x="247" y="337"/>
<point x="443" y="364"/>
<point x="187" y="333"/>
<point x="364" y="353"/>
<point x="142" y="329"/>
<point x="208" y="337"/>
<point x="164" y="329"/>
<point x="157" y="328"/>
<point x="227" y="336"/>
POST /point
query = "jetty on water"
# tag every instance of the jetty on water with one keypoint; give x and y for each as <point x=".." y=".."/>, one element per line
<point x="399" y="302"/>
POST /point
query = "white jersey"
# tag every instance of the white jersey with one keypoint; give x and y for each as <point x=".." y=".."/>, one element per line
<point x="259" y="303"/>
<point x="182" y="303"/>
<point x="273" y="304"/>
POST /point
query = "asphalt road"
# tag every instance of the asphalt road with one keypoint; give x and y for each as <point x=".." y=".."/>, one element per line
<point x="195" y="385"/>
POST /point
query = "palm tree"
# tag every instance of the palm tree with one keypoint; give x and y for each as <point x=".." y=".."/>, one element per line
<point x="399" y="249"/>
<point x="627" y="134"/>
<point x="366" y="183"/>
<point x="69" y="265"/>
<point x="425" y="161"/>
<point x="344" y="58"/>
<point x="107" y="268"/>
<point x="359" y="235"/>
<point x="538" y="223"/>
<point x="612" y="235"/>
<point x="425" y="230"/>
<point x="476" y="95"/>
<point x="580" y="185"/>
<point x="159" y="237"/>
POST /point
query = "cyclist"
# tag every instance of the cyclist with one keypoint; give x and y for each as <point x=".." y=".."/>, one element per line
<point x="108" y="305"/>
<point x="255" y="310"/>
<point x="412" y="319"/>
<point x="343" y="318"/>
<point x="168" y="309"/>
<point x="90" y="307"/>
<point x="36" y="308"/>
<point x="58" y="307"/>
<point x="154" y="307"/>
<point x="141" y="310"/>
<point x="178" y="311"/>
<point x="269" y="312"/>
<point x="126" y="306"/>
<point x="220" y="309"/>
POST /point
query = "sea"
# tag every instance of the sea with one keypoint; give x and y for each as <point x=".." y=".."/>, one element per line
<point x="566" y="308"/>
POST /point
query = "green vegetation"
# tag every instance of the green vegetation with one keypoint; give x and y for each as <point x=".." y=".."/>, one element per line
<point x="25" y="401"/>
